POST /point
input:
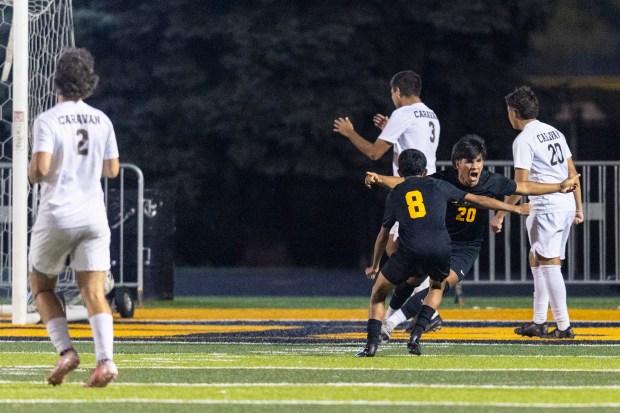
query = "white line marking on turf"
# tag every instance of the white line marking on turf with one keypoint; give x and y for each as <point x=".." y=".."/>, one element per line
<point x="169" y="367"/>
<point x="357" y="368"/>
<point x="304" y="402"/>
<point x="347" y="384"/>
<point x="333" y="343"/>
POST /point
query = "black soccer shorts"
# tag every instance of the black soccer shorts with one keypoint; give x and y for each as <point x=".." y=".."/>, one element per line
<point x="463" y="258"/>
<point x="404" y="264"/>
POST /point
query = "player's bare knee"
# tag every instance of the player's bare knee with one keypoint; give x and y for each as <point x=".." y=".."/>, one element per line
<point x="92" y="296"/>
<point x="43" y="293"/>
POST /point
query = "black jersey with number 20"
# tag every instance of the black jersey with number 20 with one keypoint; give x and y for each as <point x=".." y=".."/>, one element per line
<point x="466" y="222"/>
<point x="419" y="206"/>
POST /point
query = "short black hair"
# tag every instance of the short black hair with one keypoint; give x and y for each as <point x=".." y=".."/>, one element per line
<point x="408" y="82"/>
<point x="75" y="76"/>
<point x="469" y="147"/>
<point x="411" y="162"/>
<point x="524" y="101"/>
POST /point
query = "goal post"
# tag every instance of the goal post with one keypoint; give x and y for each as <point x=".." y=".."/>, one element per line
<point x="19" y="131"/>
<point x="33" y="33"/>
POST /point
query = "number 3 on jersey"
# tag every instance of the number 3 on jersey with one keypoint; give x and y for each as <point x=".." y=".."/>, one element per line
<point x="415" y="203"/>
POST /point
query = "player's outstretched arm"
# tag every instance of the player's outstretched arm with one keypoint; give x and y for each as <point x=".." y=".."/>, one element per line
<point x="492" y="203"/>
<point x="388" y="182"/>
<point x="521" y="175"/>
<point x="373" y="151"/>
<point x="380" y="243"/>
<point x="570" y="184"/>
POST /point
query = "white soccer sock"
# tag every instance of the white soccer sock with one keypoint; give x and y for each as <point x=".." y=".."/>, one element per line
<point x="397" y="318"/>
<point x="58" y="331"/>
<point x="389" y="312"/>
<point x="103" y="335"/>
<point x="541" y="296"/>
<point x="557" y="294"/>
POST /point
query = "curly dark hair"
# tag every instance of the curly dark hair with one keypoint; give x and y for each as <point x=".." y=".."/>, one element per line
<point x="75" y="76"/>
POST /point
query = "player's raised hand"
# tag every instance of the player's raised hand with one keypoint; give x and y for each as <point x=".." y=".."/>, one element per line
<point x="372" y="178"/>
<point x="371" y="272"/>
<point x="380" y="120"/>
<point x="570" y="184"/>
<point x="343" y="126"/>
<point x="524" y="209"/>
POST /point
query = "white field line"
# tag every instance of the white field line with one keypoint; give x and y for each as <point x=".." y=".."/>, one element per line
<point x="172" y="367"/>
<point x="346" y="384"/>
<point x="309" y="352"/>
<point x="304" y="402"/>
<point x="445" y="343"/>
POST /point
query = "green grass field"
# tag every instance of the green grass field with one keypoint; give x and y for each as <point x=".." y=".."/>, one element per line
<point x="201" y="375"/>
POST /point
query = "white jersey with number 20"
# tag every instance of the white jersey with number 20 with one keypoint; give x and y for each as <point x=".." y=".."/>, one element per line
<point x="542" y="150"/>
<point x="80" y="138"/>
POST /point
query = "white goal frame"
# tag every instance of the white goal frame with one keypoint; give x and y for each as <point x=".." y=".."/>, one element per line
<point x="39" y="31"/>
<point x="19" y="210"/>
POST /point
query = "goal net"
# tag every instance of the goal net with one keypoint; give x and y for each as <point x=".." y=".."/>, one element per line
<point x="44" y="31"/>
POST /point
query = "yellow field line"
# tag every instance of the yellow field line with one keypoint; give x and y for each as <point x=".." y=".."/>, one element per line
<point x="263" y="314"/>
<point x="139" y="326"/>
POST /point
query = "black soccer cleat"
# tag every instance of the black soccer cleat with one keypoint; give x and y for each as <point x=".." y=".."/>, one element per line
<point x="557" y="333"/>
<point x="368" y="351"/>
<point x="434" y="325"/>
<point x="414" y="345"/>
<point x="532" y="330"/>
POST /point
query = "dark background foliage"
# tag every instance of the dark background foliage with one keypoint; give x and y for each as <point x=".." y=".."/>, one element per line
<point x="230" y="105"/>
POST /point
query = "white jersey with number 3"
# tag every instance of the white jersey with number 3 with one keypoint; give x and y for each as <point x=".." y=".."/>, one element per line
<point x="542" y="150"/>
<point x="413" y="127"/>
<point x="80" y="138"/>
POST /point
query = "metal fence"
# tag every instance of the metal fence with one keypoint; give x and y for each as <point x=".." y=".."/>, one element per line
<point x="593" y="252"/>
<point x="127" y="242"/>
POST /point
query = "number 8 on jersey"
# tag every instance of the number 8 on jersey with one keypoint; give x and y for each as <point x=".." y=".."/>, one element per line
<point x="415" y="202"/>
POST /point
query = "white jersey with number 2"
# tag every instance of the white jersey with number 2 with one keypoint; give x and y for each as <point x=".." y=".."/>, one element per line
<point x="542" y="150"/>
<point x="79" y="137"/>
<point x="413" y="127"/>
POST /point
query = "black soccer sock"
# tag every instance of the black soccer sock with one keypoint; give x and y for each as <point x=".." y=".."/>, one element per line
<point x="423" y="320"/>
<point x="400" y="295"/>
<point x="414" y="304"/>
<point x="373" y="329"/>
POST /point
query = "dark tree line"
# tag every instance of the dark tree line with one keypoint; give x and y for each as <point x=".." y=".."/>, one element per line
<point x="230" y="104"/>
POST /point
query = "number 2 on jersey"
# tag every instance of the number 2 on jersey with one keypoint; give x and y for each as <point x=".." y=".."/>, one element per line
<point x="82" y="146"/>
<point x="415" y="203"/>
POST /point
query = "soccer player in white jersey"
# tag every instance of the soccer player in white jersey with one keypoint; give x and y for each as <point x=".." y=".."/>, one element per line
<point x="74" y="145"/>
<point x="411" y="126"/>
<point x="541" y="154"/>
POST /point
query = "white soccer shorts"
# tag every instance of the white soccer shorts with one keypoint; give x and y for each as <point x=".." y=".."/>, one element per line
<point x="89" y="248"/>
<point x="548" y="233"/>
